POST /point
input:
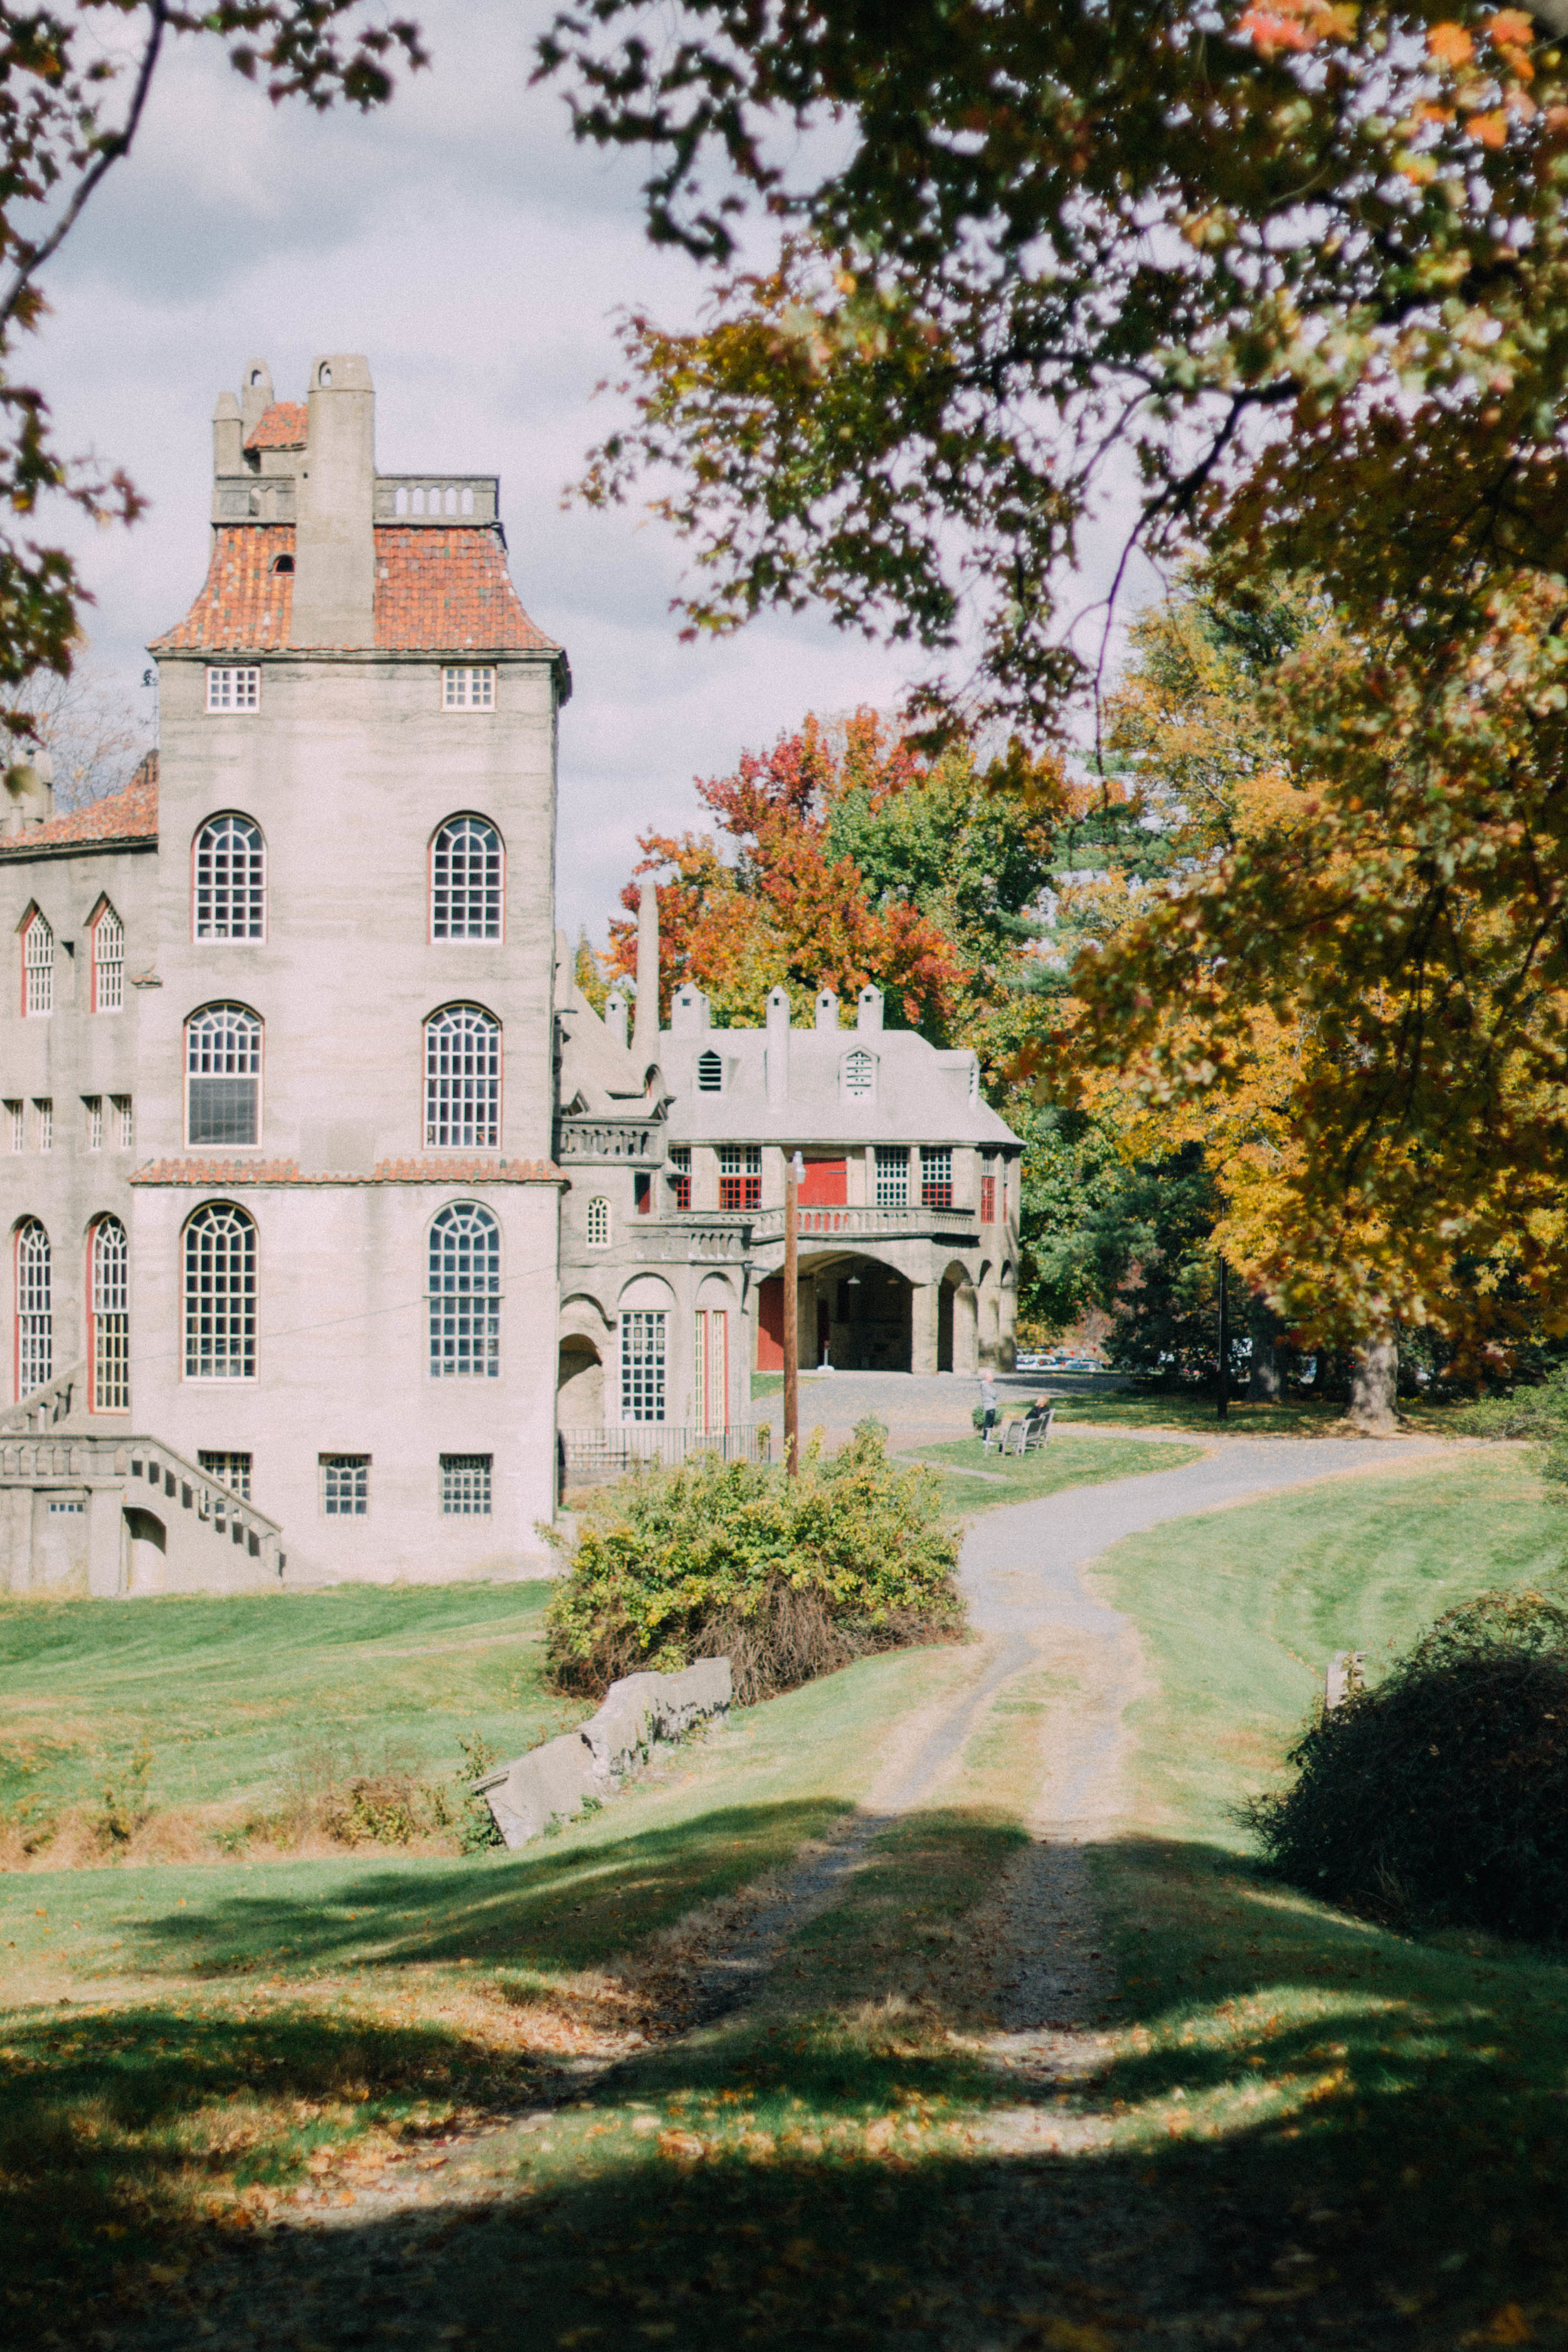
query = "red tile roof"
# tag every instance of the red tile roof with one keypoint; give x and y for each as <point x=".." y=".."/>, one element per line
<point x="436" y="591"/>
<point x="131" y="815"/>
<point x="387" y="1172"/>
<point x="448" y="591"/>
<point x="245" y="606"/>
<point x="282" y="426"/>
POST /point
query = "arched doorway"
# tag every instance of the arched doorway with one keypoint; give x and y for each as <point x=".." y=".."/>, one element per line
<point x="145" y="1552"/>
<point x="580" y="1385"/>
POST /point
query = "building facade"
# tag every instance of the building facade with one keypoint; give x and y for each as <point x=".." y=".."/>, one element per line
<point x="337" y="1218"/>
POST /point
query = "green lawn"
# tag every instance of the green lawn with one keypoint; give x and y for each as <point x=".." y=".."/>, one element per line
<point x="233" y="1696"/>
<point x="1291" y="1417"/>
<point x="1064" y="1461"/>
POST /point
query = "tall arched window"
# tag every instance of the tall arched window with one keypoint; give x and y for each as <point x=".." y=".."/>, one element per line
<point x="37" y="965"/>
<point x="228" y="880"/>
<point x="35" y="1317"/>
<point x="220" y="1293"/>
<point x="222" y="1077"/>
<point x="108" y="962"/>
<point x="598" y="1223"/>
<point x="466" y="880"/>
<point x="462" y="1078"/>
<point x="109" y="1328"/>
<point x="465" y="1294"/>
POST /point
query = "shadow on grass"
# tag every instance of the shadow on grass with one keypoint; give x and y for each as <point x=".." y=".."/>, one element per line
<point x="1368" y="2147"/>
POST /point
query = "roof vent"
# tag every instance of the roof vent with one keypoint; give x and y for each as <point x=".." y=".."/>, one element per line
<point x="710" y="1073"/>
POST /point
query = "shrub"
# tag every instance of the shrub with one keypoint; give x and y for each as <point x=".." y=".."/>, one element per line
<point x="1439" y="1798"/>
<point x="789" y="1579"/>
<point x="1539" y="1412"/>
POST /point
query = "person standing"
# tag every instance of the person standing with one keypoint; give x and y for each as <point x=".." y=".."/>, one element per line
<point x="987" y="1407"/>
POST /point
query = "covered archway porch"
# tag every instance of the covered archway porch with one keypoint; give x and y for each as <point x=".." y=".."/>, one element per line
<point x="858" y="1313"/>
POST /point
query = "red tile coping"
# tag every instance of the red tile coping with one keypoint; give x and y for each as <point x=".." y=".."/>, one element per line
<point x="436" y="591"/>
<point x="234" y="1172"/>
<point x="128" y="815"/>
<point x="282" y="426"/>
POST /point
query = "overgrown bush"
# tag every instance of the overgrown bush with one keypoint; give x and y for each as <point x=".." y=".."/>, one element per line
<point x="789" y="1579"/>
<point x="1439" y="1798"/>
<point x="1540" y="1413"/>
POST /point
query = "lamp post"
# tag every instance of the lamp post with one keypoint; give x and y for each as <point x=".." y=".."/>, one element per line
<point x="795" y="1169"/>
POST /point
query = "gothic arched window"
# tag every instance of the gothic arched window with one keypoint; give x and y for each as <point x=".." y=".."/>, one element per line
<point x="109" y="1324"/>
<point x="462" y="1078"/>
<point x="598" y="1224"/>
<point x="220" y="1293"/>
<point x="465" y="877"/>
<point x="228" y="880"/>
<point x="34" y="1315"/>
<point x="465" y="1294"/>
<point x="222" y="1077"/>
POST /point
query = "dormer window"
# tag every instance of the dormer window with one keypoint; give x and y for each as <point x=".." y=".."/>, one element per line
<point x="710" y="1073"/>
<point x="282" y="563"/>
<point x="859" y="1076"/>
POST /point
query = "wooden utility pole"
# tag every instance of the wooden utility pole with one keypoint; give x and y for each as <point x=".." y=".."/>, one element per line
<point x="1224" y="1341"/>
<point x="795" y="1169"/>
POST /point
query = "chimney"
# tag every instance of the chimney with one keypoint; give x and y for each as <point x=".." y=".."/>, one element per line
<point x="334" y="544"/>
<point x="255" y="395"/>
<point x="645" y="1014"/>
<point x="868" y="1008"/>
<point x="228" y="437"/>
<point x="615" y="1016"/>
<point x="827" y="1009"/>
<point x="690" y="1015"/>
<point x="30" y="789"/>
<point x="778" y="1048"/>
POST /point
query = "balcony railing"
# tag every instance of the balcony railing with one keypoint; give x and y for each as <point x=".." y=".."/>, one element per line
<point x="437" y="497"/>
<point x="589" y="1457"/>
<point x="871" y="1223"/>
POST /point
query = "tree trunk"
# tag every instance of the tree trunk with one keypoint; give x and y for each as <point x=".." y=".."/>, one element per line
<point x="1263" y="1381"/>
<point x="1374" y="1386"/>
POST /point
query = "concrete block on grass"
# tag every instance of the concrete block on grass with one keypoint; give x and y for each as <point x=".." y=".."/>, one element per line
<point x="553" y="1782"/>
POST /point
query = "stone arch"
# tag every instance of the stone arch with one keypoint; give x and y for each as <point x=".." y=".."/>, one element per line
<point x="146" y="1547"/>
<point x="956" y="1332"/>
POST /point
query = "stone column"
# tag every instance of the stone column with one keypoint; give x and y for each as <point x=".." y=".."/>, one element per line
<point x="105" y="1508"/>
<point x="923" y="1335"/>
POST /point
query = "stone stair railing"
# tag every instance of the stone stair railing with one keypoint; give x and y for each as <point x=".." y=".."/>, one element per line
<point x="45" y="1407"/>
<point x="148" y="1468"/>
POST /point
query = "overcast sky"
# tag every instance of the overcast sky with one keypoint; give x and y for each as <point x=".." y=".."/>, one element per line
<point x="464" y="243"/>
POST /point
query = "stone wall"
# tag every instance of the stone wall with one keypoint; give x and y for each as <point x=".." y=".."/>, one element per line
<point x="553" y="1782"/>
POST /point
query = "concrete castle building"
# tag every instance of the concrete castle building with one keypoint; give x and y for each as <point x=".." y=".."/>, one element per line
<point x="318" y="1174"/>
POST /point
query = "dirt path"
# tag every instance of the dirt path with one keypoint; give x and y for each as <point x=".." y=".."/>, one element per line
<point x="319" y="2278"/>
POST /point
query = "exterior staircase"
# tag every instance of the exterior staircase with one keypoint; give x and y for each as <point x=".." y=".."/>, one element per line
<point x="86" y="1510"/>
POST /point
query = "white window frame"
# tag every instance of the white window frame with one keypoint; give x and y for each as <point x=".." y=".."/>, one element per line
<point x="125" y="1122"/>
<point x="218" y="1338"/>
<point x="596" y="1225"/>
<point x="108" y="1339"/>
<point x="462" y="1095"/>
<point x="44" y="1121"/>
<point x="232" y="1036"/>
<point x="469" y="687"/>
<point x="37" y="966"/>
<point x="467" y="1482"/>
<point x="859" y="1076"/>
<point x="230" y="1470"/>
<point x="108" y="962"/>
<point x="94" y="1106"/>
<point x="644" y="1362"/>
<point x="18" y="1111"/>
<point x="235" y="687"/>
<point x="464" y="1292"/>
<point x="346" y="1486"/>
<point x="34" y="1355"/>
<point x="228" y="869"/>
<point x="891" y="1175"/>
<point x="463" y="845"/>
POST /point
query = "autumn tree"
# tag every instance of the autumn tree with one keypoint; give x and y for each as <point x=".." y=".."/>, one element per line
<point x="1296" y="274"/>
<point x="843" y="857"/>
<point x="74" y="85"/>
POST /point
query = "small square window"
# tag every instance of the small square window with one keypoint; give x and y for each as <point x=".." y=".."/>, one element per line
<point x="681" y="1174"/>
<point x="468" y="689"/>
<point x="230" y="1470"/>
<point x="465" y="1486"/>
<point x="234" y="689"/>
<point x="346" y="1486"/>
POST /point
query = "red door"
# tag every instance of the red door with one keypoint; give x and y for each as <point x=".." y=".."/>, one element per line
<point x="770" y="1325"/>
<point x="825" y="1184"/>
